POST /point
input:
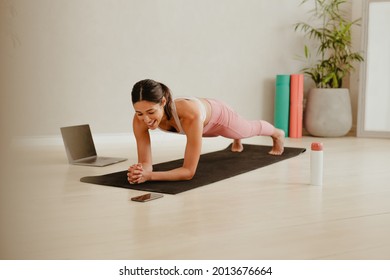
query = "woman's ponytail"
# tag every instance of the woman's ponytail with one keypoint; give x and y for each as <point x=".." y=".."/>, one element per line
<point x="168" y="97"/>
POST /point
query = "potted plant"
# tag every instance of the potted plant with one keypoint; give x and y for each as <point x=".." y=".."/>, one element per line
<point x="328" y="109"/>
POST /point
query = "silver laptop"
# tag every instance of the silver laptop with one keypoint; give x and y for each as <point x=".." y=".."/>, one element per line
<point x="80" y="147"/>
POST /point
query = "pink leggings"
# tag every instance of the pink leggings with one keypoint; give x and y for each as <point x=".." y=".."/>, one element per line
<point x="226" y="122"/>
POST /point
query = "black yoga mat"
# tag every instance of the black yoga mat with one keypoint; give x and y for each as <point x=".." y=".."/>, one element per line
<point x="212" y="167"/>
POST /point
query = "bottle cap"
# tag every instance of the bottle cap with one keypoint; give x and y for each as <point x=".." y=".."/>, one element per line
<point x="317" y="146"/>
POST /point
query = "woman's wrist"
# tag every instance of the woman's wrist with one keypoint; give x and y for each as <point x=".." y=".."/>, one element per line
<point x="149" y="175"/>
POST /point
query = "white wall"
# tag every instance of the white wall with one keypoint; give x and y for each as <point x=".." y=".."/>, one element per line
<point x="75" y="61"/>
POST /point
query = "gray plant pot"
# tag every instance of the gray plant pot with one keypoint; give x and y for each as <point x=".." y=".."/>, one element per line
<point x="328" y="112"/>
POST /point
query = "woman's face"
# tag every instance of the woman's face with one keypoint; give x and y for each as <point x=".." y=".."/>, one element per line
<point x="149" y="112"/>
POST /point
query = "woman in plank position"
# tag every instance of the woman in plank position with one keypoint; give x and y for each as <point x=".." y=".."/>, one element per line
<point x="194" y="117"/>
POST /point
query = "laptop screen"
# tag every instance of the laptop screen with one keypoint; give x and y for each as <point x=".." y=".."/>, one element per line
<point x="78" y="141"/>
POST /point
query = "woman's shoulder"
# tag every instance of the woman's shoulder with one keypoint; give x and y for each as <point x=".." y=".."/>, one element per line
<point x="188" y="98"/>
<point x="189" y="101"/>
<point x="186" y="107"/>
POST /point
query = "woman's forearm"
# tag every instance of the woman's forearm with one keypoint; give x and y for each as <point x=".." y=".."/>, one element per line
<point x="177" y="174"/>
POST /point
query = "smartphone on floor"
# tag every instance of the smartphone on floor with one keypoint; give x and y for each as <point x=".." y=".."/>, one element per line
<point x="147" y="197"/>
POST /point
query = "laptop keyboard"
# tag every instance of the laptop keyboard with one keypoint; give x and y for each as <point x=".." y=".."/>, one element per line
<point x="92" y="160"/>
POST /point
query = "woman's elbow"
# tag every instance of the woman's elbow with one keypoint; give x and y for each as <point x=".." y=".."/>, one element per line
<point x="189" y="175"/>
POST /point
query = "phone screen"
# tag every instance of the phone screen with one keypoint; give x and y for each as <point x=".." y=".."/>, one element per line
<point x="146" y="197"/>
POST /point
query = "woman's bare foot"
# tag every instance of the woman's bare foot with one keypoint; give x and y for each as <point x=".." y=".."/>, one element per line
<point x="278" y="140"/>
<point x="237" y="147"/>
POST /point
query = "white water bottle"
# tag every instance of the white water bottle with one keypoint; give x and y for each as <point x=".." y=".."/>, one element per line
<point x="316" y="164"/>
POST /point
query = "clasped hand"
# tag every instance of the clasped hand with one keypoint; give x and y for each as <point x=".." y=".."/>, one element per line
<point x="136" y="174"/>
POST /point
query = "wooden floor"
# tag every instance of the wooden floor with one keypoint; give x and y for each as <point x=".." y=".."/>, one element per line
<point x="270" y="213"/>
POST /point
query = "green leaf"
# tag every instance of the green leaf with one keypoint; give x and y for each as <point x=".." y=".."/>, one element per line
<point x="307" y="51"/>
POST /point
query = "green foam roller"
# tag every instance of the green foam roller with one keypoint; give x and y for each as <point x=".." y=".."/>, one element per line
<point x="282" y="103"/>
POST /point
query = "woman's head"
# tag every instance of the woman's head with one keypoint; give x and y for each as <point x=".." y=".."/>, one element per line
<point x="152" y="91"/>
